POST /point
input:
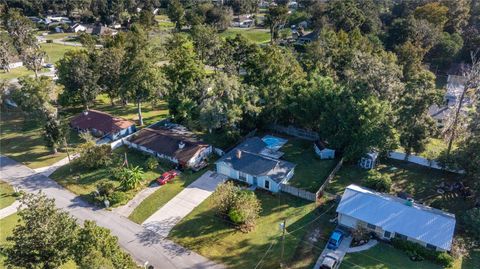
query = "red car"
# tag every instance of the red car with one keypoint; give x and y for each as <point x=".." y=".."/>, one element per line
<point x="166" y="177"/>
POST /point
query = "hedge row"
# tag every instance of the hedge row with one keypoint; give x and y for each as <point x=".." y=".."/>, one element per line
<point x="419" y="252"/>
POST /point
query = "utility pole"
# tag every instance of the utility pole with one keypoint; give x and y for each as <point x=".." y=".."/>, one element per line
<point x="283" y="226"/>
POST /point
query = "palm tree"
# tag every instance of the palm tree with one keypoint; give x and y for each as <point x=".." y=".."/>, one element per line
<point x="131" y="177"/>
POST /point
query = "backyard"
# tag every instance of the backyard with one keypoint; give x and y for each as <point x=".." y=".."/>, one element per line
<point x="311" y="171"/>
<point x="413" y="179"/>
<point x="215" y="238"/>
<point x="253" y="34"/>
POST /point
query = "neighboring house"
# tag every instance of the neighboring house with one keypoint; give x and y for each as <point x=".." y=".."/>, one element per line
<point x="392" y="217"/>
<point x="78" y="28"/>
<point x="102" y="125"/>
<point x="102" y="30"/>
<point x="369" y="160"/>
<point x="322" y="150"/>
<point x="254" y="162"/>
<point x="58" y="29"/>
<point x="172" y="142"/>
<point x="15" y="62"/>
<point x="308" y="38"/>
<point x="440" y="114"/>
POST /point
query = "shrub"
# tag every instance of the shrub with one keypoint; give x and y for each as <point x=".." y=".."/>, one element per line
<point x="117" y="198"/>
<point x="151" y="163"/>
<point x="242" y="207"/>
<point x="377" y="181"/>
<point x="94" y="156"/>
<point x="131" y="177"/>
<point x="105" y="188"/>
<point x="418" y="252"/>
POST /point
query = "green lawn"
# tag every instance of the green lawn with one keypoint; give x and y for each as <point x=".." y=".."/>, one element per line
<point x="213" y="237"/>
<point x="83" y="181"/>
<point x="433" y="148"/>
<point x="383" y="256"/>
<point x="15" y="73"/>
<point x="311" y="171"/>
<point x="253" y="34"/>
<point x="22" y="140"/>
<point x="414" y="179"/>
<point x="164" y="194"/>
<point x="6" y="227"/>
<point x="6" y="195"/>
<point x="56" y="51"/>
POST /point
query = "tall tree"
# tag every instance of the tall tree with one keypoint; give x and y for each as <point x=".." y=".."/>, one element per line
<point x="6" y="53"/>
<point x="176" y="13"/>
<point x="20" y="29"/>
<point x="33" y="58"/>
<point x="472" y="86"/>
<point x="78" y="74"/>
<point x="184" y="73"/>
<point x="44" y="237"/>
<point x="98" y="242"/>
<point x="110" y="67"/>
<point x="435" y="13"/>
<point x="140" y="76"/>
<point x="276" y="18"/>
<point x="414" y="124"/>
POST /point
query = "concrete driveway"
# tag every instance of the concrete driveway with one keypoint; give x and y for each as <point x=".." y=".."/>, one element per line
<point x="141" y="243"/>
<point x="162" y="221"/>
<point x="339" y="252"/>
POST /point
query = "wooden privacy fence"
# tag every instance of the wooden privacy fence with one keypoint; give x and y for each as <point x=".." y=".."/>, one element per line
<point x="298" y="192"/>
<point x="293" y="131"/>
<point x="332" y="174"/>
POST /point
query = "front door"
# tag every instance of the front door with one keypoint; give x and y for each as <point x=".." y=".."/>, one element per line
<point x="255" y="181"/>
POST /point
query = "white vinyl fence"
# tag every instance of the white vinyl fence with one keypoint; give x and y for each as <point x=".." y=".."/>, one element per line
<point x="419" y="160"/>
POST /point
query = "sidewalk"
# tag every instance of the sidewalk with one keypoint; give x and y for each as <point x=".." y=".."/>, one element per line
<point x="48" y="170"/>
<point x="370" y="244"/>
<point x="162" y="221"/>
<point x="127" y="209"/>
<point x="9" y="210"/>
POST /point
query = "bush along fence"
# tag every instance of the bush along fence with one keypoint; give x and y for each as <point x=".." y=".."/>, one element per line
<point x="420" y="161"/>
<point x="298" y="192"/>
<point x="321" y="190"/>
<point x="293" y="131"/>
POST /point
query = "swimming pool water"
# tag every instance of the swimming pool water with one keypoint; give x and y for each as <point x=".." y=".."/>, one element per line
<point x="273" y="142"/>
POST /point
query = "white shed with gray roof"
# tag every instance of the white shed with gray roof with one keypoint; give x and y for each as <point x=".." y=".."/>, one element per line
<point x="389" y="216"/>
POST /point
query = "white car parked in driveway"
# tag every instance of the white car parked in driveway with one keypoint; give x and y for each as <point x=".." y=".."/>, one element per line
<point x="331" y="261"/>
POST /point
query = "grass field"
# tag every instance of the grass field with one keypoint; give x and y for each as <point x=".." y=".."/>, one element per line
<point x="83" y="181"/>
<point x="164" y="194"/>
<point x="6" y="195"/>
<point x="56" y="51"/>
<point x="253" y="34"/>
<point x="6" y="227"/>
<point x="213" y="237"/>
<point x="311" y="171"/>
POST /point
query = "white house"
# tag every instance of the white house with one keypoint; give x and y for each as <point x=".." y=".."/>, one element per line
<point x="78" y="28"/>
<point x="323" y="151"/>
<point x="392" y="217"/>
<point x="256" y="163"/>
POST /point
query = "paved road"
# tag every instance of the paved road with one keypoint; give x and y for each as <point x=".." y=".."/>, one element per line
<point x="162" y="221"/>
<point x="141" y="243"/>
<point x="127" y="209"/>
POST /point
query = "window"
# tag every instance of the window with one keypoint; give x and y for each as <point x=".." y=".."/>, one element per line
<point x="267" y="184"/>
<point x="387" y="234"/>
<point x="371" y="226"/>
<point x="242" y="176"/>
<point x="401" y="236"/>
<point x="432" y="247"/>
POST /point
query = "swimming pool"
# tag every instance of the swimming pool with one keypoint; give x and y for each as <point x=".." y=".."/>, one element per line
<point x="273" y="142"/>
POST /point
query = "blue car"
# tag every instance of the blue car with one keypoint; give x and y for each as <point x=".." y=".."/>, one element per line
<point x="335" y="240"/>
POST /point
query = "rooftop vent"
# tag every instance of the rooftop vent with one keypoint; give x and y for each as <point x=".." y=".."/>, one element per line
<point x="85" y="112"/>
<point x="239" y="154"/>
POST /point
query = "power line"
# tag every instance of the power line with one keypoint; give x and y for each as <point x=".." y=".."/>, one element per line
<point x="266" y="253"/>
<point x="312" y="221"/>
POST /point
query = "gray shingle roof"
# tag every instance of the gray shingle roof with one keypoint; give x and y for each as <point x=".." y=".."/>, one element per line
<point x="255" y="164"/>
<point x="392" y="214"/>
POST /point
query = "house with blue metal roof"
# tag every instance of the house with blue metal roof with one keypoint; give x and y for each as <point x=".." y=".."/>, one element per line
<point x="256" y="162"/>
<point x="392" y="217"/>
